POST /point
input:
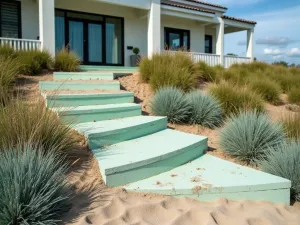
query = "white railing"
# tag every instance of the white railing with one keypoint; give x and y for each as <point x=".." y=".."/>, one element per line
<point x="210" y="59"/>
<point x="230" y="60"/>
<point x="21" y="44"/>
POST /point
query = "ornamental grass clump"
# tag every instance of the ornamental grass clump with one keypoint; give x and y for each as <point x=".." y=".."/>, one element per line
<point x="234" y="98"/>
<point x="248" y="136"/>
<point x="66" y="61"/>
<point x="170" y="102"/>
<point x="294" y="95"/>
<point x="169" y="69"/>
<point x="205" y="110"/>
<point x="291" y="124"/>
<point x="21" y="122"/>
<point x="207" y="72"/>
<point x="33" y="186"/>
<point x="268" y="89"/>
<point x="283" y="161"/>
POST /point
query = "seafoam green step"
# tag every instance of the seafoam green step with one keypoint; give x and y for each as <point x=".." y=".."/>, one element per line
<point x="83" y="76"/>
<point x="66" y="100"/>
<point x="147" y="156"/>
<point x="209" y="178"/>
<point x="109" y="68"/>
<point x="82" y="114"/>
<point x="79" y="85"/>
<point x="108" y="132"/>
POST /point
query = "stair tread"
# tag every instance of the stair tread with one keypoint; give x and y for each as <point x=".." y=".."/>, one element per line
<point x="209" y="174"/>
<point x="92" y="81"/>
<point x="107" y="126"/>
<point x="144" y="150"/>
<point x="96" y="107"/>
<point x="76" y="94"/>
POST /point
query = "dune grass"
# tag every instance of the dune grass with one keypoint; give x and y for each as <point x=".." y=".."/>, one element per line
<point x="235" y="99"/>
<point x="33" y="186"/>
<point x="291" y="124"/>
<point x="248" y="135"/>
<point x="22" y="122"/>
<point x="169" y="69"/>
<point x="66" y="61"/>
<point x="294" y="95"/>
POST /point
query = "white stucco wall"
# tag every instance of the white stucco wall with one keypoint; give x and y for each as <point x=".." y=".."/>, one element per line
<point x="197" y="31"/>
<point x="30" y="19"/>
<point x="135" y="28"/>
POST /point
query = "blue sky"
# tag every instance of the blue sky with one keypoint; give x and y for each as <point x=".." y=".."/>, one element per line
<point x="277" y="34"/>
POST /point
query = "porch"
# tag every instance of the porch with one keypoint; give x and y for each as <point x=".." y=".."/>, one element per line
<point x="104" y="33"/>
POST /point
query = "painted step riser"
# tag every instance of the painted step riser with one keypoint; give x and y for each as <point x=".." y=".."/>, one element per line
<point x="99" y="140"/>
<point x="161" y="166"/>
<point x="78" y="87"/>
<point x="100" y="116"/>
<point x="102" y="68"/>
<point x="83" y="76"/>
<point x="69" y="102"/>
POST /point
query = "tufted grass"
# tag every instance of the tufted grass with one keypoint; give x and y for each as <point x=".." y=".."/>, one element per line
<point x="205" y="110"/>
<point x="66" y="61"/>
<point x="248" y="136"/>
<point x="283" y="161"/>
<point x="291" y="124"/>
<point x="170" y="102"/>
<point x="33" y="187"/>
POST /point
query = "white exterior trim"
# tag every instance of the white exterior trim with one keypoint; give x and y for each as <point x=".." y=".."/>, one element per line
<point x="220" y="40"/>
<point x="250" y="44"/>
<point x="154" y="23"/>
<point x="47" y="25"/>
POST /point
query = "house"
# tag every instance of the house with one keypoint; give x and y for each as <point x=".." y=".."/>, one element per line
<point x="103" y="32"/>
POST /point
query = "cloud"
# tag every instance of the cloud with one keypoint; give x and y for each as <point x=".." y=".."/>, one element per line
<point x="275" y="41"/>
<point x="242" y="43"/>
<point x="276" y="57"/>
<point x="274" y="52"/>
<point x="294" y="52"/>
<point x="235" y="2"/>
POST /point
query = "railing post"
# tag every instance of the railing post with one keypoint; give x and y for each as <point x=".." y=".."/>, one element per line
<point x="220" y="40"/>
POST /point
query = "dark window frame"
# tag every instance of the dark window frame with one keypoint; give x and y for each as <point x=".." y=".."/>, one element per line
<point x="181" y="32"/>
<point x="19" y="11"/>
<point x="64" y="11"/>
<point x="210" y="39"/>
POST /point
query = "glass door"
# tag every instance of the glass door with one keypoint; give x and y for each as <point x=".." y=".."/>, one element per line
<point x="76" y="38"/>
<point x="95" y="43"/>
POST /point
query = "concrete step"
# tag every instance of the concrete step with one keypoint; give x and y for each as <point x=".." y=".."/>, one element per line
<point x="79" y="85"/>
<point x="108" y="132"/>
<point x="82" y="114"/>
<point x="67" y="100"/>
<point x="109" y="68"/>
<point x="209" y="178"/>
<point x="83" y="76"/>
<point x="147" y="156"/>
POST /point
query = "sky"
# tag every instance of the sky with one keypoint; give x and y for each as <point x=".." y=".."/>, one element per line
<point x="277" y="33"/>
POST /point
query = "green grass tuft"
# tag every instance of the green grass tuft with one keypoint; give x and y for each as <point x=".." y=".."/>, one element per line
<point x="33" y="187"/>
<point x="207" y="72"/>
<point x="170" y="102"/>
<point x="169" y="69"/>
<point x="284" y="162"/>
<point x="234" y="98"/>
<point x="21" y="122"/>
<point x="291" y="124"/>
<point x="294" y="95"/>
<point x="205" y="110"/>
<point x="248" y="136"/>
<point x="66" y="61"/>
<point x="268" y="89"/>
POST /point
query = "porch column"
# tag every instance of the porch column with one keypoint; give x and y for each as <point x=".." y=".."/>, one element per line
<point x="47" y="25"/>
<point x="220" y="40"/>
<point x="250" y="44"/>
<point x="154" y="28"/>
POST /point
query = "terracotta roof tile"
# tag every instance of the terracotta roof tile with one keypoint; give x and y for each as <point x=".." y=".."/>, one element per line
<point x="184" y="6"/>
<point x="206" y="3"/>
<point x="238" y="19"/>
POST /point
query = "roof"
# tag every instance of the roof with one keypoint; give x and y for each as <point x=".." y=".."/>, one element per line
<point x="206" y="3"/>
<point x="184" y="6"/>
<point x="238" y="19"/>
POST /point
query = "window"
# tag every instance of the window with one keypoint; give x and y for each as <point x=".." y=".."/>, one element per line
<point x="10" y="19"/>
<point x="177" y="39"/>
<point x="208" y="44"/>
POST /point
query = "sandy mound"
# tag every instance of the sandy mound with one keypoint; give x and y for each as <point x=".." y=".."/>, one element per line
<point x="125" y="209"/>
